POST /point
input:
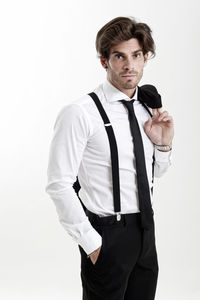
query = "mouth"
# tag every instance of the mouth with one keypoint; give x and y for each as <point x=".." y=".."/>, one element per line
<point x="129" y="75"/>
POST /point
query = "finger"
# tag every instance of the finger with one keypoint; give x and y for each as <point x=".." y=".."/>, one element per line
<point x="163" y="115"/>
<point x="155" y="112"/>
<point x="168" y="119"/>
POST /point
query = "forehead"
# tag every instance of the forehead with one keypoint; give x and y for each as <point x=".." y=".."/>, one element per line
<point x="126" y="46"/>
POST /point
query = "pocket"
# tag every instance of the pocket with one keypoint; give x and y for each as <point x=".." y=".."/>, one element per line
<point x="101" y="253"/>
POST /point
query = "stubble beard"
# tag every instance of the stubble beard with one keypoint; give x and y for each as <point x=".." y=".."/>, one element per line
<point x="130" y="84"/>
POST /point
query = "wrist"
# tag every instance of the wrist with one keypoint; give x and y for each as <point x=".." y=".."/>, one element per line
<point x="164" y="148"/>
<point x="92" y="253"/>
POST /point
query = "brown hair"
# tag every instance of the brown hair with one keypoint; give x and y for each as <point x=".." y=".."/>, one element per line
<point x="122" y="29"/>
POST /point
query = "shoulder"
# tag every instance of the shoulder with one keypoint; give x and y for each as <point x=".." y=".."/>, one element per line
<point x="83" y="104"/>
<point x="75" y="109"/>
<point x="72" y="113"/>
<point x="78" y="113"/>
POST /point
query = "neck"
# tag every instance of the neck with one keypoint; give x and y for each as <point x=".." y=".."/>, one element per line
<point x="129" y="92"/>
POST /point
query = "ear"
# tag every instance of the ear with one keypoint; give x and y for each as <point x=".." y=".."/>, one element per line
<point x="146" y="58"/>
<point x="104" y="62"/>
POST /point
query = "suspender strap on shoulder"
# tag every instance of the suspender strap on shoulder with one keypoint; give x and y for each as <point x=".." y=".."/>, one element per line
<point x="114" y="153"/>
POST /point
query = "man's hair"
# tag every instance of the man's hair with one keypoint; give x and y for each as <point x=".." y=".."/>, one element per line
<point x="122" y="29"/>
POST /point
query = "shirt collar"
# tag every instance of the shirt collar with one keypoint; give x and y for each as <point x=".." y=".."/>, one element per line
<point x="113" y="94"/>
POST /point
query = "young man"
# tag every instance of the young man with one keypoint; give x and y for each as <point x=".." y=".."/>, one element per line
<point x="114" y="157"/>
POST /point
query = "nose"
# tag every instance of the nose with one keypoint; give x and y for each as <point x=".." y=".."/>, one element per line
<point x="128" y="64"/>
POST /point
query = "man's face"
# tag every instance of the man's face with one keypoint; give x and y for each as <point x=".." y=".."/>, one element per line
<point x="125" y="65"/>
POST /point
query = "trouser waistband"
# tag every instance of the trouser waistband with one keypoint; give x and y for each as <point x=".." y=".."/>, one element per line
<point x="112" y="220"/>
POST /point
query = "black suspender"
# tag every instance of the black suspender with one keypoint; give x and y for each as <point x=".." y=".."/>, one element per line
<point x="113" y="151"/>
<point x="114" y="157"/>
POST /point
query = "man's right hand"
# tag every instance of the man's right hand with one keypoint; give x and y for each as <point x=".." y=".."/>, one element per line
<point x="94" y="255"/>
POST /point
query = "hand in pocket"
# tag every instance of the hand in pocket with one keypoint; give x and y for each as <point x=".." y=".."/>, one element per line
<point x="94" y="256"/>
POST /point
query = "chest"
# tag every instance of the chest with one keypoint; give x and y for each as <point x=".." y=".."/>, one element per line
<point x="98" y="144"/>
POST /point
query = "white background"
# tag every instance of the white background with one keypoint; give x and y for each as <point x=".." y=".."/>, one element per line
<point x="48" y="59"/>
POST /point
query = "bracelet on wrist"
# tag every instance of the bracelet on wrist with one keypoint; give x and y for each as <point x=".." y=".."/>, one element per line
<point x="164" y="147"/>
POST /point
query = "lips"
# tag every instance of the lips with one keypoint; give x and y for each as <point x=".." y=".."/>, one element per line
<point x="129" y="75"/>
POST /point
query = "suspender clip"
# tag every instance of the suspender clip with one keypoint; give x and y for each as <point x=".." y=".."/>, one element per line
<point x="118" y="214"/>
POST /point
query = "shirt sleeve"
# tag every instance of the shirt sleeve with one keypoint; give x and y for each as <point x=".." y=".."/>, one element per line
<point x="162" y="162"/>
<point x="71" y="132"/>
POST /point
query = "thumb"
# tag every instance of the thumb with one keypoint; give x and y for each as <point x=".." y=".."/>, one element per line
<point x="147" y="125"/>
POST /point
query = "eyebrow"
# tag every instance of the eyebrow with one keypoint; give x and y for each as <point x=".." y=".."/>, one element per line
<point x="119" y="52"/>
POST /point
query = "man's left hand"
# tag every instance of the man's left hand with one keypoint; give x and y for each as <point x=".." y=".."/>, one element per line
<point x="160" y="128"/>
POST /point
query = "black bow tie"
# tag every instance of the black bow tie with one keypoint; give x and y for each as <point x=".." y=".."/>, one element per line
<point x="149" y="95"/>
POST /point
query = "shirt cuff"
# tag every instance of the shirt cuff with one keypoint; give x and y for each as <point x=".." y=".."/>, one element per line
<point x="161" y="156"/>
<point x="90" y="241"/>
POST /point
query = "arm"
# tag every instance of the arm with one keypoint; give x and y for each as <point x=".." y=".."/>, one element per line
<point x="71" y="132"/>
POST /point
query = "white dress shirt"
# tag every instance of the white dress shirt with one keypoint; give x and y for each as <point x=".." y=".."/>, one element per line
<point x="80" y="147"/>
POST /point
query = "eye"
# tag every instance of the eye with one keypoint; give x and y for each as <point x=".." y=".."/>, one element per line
<point x="137" y="55"/>
<point x="118" y="56"/>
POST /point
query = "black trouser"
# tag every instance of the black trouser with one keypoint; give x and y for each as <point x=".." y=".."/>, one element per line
<point x="127" y="266"/>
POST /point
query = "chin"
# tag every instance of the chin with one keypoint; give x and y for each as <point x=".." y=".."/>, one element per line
<point x="129" y="86"/>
